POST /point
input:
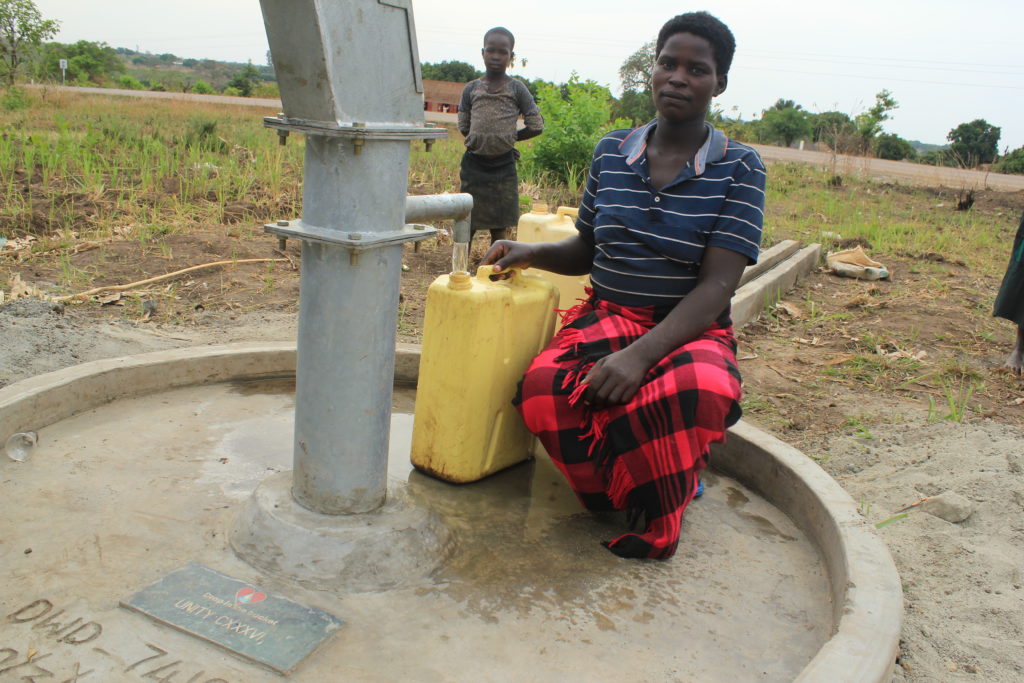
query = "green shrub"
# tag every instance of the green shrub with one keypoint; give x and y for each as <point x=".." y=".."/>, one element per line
<point x="575" y="118"/>
<point x="13" y="99"/>
<point x="234" y="92"/>
<point x="268" y="90"/>
<point x="202" y="134"/>
<point x="1011" y="163"/>
<point x="893" y="147"/>
<point x="129" y="83"/>
<point x="202" y="88"/>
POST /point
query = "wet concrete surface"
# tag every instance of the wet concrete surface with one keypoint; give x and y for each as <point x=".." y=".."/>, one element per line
<point x="115" y="498"/>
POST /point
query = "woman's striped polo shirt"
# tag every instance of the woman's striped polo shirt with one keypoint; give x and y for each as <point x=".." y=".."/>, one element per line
<point x="649" y="242"/>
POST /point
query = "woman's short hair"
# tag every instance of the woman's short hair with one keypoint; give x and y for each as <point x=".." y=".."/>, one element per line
<point x="702" y="24"/>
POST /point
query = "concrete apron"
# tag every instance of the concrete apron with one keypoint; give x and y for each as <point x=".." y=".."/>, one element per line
<point x="143" y="463"/>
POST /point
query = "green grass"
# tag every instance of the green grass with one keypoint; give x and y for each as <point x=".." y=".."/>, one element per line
<point x="120" y="161"/>
<point x="125" y="160"/>
<point x="894" y="220"/>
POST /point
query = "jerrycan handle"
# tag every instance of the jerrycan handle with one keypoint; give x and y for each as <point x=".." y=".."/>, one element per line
<point x="484" y="273"/>
<point x="564" y="211"/>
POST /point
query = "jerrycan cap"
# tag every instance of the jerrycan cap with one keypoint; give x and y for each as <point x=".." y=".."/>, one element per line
<point x="460" y="279"/>
<point x="539" y="207"/>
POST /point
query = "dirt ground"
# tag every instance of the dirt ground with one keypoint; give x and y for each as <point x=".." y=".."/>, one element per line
<point x="894" y="387"/>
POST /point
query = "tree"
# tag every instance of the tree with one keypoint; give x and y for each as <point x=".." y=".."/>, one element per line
<point x="785" y="125"/>
<point x="635" y="106"/>
<point x="785" y="104"/>
<point x="869" y="123"/>
<point x="87" y="61"/>
<point x="974" y="143"/>
<point x="835" y="129"/>
<point x="22" y="28"/>
<point x="453" y="71"/>
<point x="635" y="73"/>
<point x="893" y="147"/>
<point x="245" y="80"/>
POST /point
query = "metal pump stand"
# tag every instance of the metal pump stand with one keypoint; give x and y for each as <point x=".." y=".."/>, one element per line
<point x="350" y="81"/>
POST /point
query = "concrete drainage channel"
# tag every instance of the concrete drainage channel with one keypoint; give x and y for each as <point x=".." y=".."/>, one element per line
<point x="50" y="593"/>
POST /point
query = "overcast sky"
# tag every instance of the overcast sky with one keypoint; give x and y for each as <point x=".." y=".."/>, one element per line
<point x="946" y="61"/>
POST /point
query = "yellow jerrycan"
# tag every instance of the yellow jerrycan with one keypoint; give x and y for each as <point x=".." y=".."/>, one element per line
<point x="540" y="226"/>
<point x="479" y="337"/>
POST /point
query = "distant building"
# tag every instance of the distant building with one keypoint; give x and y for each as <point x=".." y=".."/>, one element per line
<point x="442" y="96"/>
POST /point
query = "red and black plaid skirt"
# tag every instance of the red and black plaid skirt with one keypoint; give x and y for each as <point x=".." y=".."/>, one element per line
<point x="644" y="456"/>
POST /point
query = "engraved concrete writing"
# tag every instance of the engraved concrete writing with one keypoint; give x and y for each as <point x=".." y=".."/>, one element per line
<point x="72" y="633"/>
<point x="161" y="672"/>
<point x="69" y="629"/>
<point x="11" y="664"/>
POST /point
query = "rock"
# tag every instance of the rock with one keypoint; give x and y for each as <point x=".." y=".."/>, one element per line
<point x="1015" y="462"/>
<point x="949" y="506"/>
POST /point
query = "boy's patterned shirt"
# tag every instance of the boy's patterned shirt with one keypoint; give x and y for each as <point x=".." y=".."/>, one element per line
<point x="488" y="120"/>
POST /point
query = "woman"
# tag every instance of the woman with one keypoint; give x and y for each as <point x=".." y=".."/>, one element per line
<point x="642" y="378"/>
<point x="1010" y="301"/>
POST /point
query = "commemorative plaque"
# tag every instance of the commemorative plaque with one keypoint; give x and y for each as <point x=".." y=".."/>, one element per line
<point x="268" y="629"/>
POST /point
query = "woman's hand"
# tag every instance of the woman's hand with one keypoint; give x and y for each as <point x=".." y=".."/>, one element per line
<point x="505" y="255"/>
<point x="615" y="379"/>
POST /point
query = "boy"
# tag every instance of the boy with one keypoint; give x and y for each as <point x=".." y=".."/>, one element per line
<point x="490" y="107"/>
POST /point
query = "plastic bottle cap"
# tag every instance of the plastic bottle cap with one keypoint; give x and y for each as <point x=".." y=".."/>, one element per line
<point x="539" y="207"/>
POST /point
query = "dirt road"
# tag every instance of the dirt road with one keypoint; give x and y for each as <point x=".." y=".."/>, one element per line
<point x="916" y="174"/>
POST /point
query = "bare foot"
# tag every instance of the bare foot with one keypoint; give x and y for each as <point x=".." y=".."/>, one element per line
<point x="1015" y="363"/>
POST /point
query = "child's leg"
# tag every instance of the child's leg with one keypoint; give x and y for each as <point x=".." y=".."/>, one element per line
<point x="1015" y="363"/>
<point x="500" y="234"/>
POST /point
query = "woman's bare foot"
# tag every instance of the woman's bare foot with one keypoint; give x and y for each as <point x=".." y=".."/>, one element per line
<point x="1015" y="363"/>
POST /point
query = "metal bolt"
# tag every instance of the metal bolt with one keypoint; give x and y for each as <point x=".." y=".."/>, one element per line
<point x="283" y="224"/>
<point x="282" y="137"/>
<point x="429" y="144"/>
<point x="358" y="142"/>
<point x="282" y="243"/>
<point x="417" y="226"/>
<point x="355" y="236"/>
<point x="353" y="258"/>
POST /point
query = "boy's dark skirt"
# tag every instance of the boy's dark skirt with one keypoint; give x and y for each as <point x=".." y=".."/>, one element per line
<point x="1010" y="300"/>
<point x="494" y="184"/>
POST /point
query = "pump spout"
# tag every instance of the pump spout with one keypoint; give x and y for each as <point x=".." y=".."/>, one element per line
<point x="457" y="206"/>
